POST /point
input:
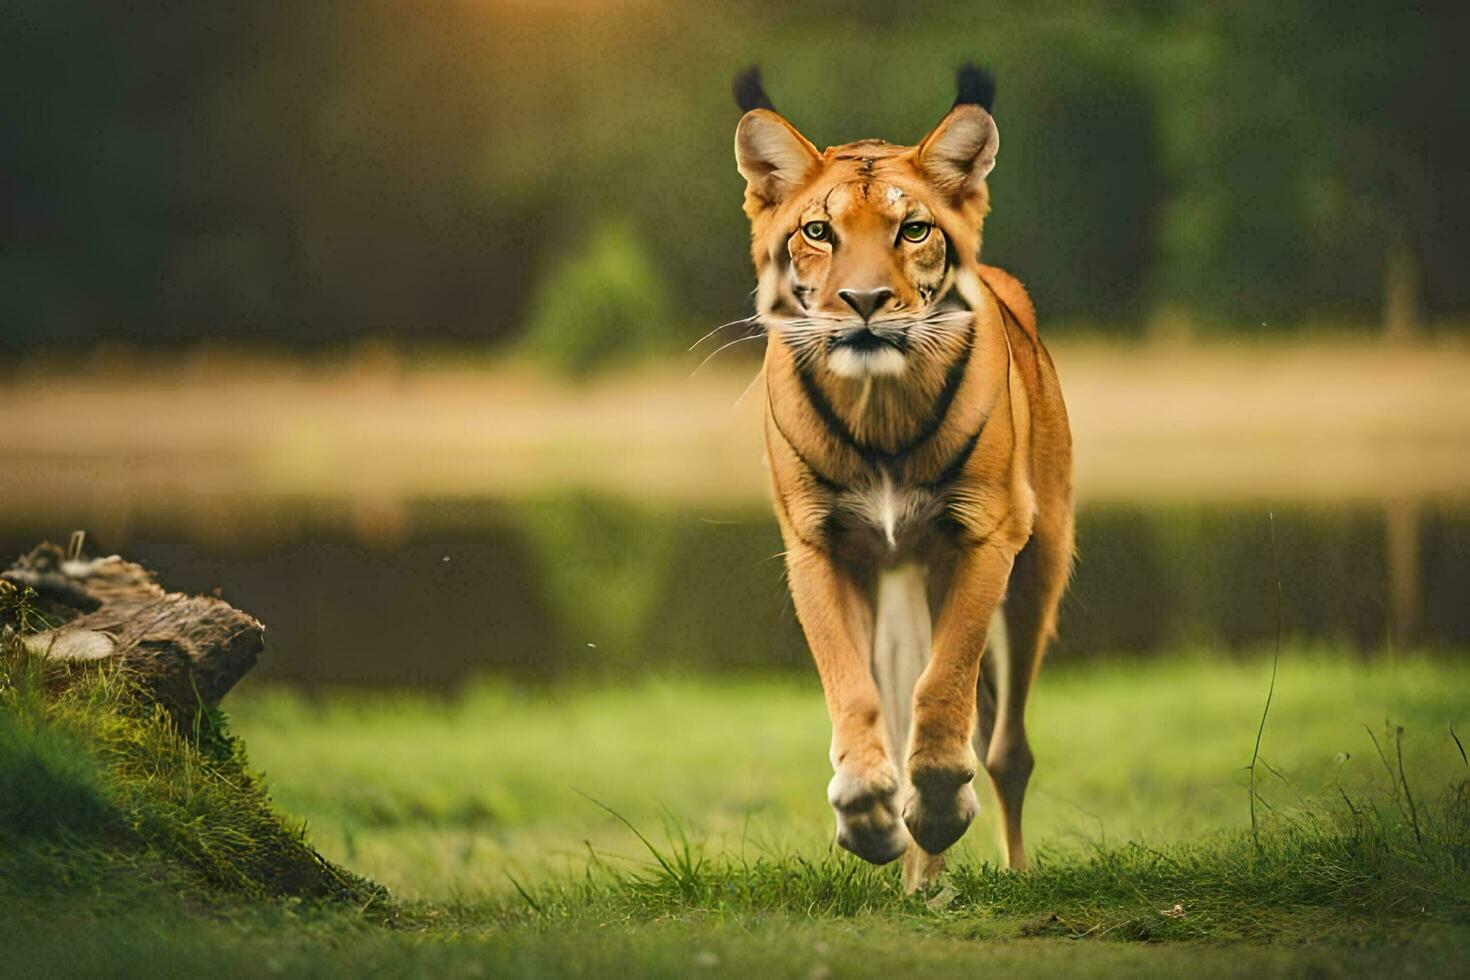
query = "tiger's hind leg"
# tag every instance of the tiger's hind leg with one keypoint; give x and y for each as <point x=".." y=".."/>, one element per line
<point x="1035" y="590"/>
<point x="996" y="651"/>
<point x="920" y="869"/>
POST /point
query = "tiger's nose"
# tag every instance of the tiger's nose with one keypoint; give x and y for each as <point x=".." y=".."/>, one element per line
<point x="865" y="303"/>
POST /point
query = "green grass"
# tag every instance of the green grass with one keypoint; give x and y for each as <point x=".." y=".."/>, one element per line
<point x="99" y="793"/>
<point x="147" y="852"/>
<point x="437" y="798"/>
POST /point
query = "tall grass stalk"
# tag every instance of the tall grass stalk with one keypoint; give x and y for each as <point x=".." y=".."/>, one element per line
<point x="1270" y="690"/>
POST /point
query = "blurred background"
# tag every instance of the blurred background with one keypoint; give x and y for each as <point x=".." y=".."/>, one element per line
<point x="377" y="316"/>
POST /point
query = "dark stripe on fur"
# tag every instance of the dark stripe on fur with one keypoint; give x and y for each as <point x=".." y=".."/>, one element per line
<point x="957" y="462"/>
<point x="785" y="512"/>
<point x="837" y="428"/>
<point x="952" y="381"/>
<point x="826" y="483"/>
<point x="827" y="413"/>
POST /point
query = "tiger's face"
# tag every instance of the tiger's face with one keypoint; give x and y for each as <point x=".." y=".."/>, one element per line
<point x="867" y="263"/>
<point x="861" y="251"/>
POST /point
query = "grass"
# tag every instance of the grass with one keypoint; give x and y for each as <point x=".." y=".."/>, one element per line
<point x="124" y="848"/>
<point x="436" y="798"/>
<point x="98" y="789"/>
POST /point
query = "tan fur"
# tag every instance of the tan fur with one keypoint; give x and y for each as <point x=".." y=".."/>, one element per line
<point x="960" y="463"/>
<point x="1011" y="295"/>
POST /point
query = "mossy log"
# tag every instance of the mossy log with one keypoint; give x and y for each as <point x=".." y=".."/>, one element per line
<point x="186" y="651"/>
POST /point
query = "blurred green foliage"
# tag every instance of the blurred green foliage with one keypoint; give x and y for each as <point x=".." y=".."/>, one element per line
<point x="305" y="172"/>
<point x="603" y="302"/>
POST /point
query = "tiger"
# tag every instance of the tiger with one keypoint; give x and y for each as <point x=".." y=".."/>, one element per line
<point x="920" y="462"/>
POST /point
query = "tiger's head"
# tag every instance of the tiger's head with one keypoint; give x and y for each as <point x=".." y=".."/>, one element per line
<point x="862" y="251"/>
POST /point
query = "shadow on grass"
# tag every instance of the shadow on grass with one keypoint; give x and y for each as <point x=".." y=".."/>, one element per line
<point x="101" y="795"/>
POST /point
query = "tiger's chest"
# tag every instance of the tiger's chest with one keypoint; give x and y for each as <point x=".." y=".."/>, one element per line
<point x="886" y="520"/>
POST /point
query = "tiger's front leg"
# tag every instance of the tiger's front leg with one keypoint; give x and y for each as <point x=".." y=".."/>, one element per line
<point x="837" y="619"/>
<point x="941" y="766"/>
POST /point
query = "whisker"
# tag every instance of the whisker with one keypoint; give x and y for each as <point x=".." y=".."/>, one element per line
<point x="745" y="319"/>
<point x="758" y="375"/>
<point x="758" y="335"/>
<point x="806" y="325"/>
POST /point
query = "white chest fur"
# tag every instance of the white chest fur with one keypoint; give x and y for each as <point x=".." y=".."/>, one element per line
<point x="893" y="511"/>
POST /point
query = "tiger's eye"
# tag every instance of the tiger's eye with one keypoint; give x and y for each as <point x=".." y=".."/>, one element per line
<point x="915" y="231"/>
<point x="817" y="231"/>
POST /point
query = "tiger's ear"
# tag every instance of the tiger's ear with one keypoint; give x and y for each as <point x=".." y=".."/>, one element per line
<point x="961" y="151"/>
<point x="772" y="156"/>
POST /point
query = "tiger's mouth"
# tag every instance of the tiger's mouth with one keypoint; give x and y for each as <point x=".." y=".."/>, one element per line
<point x="865" y="340"/>
<point x="864" y="352"/>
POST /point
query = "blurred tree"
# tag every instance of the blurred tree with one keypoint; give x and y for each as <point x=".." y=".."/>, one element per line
<point x="606" y="597"/>
<point x="1318" y="174"/>
<point x="86" y="169"/>
<point x="603" y="302"/>
<point x="1080" y="181"/>
<point x="310" y="172"/>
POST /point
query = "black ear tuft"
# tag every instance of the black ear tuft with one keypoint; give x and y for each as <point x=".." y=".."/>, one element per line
<point x="974" y="85"/>
<point x="749" y="92"/>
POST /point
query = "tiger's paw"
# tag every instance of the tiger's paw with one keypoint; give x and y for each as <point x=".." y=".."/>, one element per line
<point x="940" y="805"/>
<point x="868" y="822"/>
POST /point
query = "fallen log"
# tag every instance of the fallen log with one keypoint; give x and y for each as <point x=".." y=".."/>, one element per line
<point x="186" y="651"/>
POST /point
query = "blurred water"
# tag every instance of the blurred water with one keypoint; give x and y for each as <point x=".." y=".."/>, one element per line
<point x="434" y="592"/>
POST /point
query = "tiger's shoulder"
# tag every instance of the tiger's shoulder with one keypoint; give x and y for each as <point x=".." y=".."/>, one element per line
<point x="1012" y="295"/>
